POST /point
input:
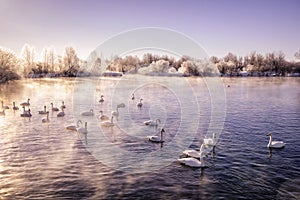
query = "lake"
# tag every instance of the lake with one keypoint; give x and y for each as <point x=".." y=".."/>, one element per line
<point x="46" y="161"/>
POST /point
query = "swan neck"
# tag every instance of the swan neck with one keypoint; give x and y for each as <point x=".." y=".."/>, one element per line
<point x="270" y="141"/>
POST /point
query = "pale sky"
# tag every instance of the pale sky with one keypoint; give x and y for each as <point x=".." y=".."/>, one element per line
<point x="220" y="26"/>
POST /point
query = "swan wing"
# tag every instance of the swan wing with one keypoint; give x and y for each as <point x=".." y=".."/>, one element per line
<point x="192" y="162"/>
<point x="192" y="153"/>
<point x="277" y="144"/>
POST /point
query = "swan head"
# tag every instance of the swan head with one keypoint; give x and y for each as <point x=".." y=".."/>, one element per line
<point x="162" y="130"/>
<point x="269" y="134"/>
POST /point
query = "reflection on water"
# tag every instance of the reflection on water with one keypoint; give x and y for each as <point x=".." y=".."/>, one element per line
<point x="44" y="160"/>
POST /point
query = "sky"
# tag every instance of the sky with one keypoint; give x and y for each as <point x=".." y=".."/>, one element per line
<point x="219" y="26"/>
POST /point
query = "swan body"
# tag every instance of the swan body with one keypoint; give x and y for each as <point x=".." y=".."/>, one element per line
<point x="83" y="130"/>
<point x="152" y="122"/>
<point x="43" y="112"/>
<point x="15" y="107"/>
<point x="108" y="123"/>
<point x="101" y="99"/>
<point x="103" y="117"/>
<point x="140" y="104"/>
<point x="45" y="120"/>
<point x="26" y="113"/>
<point x="88" y="113"/>
<point x="2" y="112"/>
<point x="274" y="144"/>
<point x="210" y="141"/>
<point x="25" y="103"/>
<point x="61" y="113"/>
<point x="4" y="107"/>
<point x="193" y="162"/>
<point x="155" y="138"/>
<point x="195" y="154"/>
<point x="74" y="127"/>
<point x="54" y="108"/>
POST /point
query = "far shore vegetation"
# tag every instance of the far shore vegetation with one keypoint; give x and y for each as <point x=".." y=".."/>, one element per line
<point x="69" y="65"/>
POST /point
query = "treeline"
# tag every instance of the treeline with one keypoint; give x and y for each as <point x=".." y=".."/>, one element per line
<point x="69" y="65"/>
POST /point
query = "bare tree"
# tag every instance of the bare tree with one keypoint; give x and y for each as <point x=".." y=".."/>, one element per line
<point x="29" y="54"/>
<point x="71" y="61"/>
<point x="297" y="55"/>
<point x="8" y="65"/>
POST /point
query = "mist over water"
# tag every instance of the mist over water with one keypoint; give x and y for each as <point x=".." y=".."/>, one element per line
<point x="46" y="161"/>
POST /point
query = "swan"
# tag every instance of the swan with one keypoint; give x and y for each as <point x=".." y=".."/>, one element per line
<point x="108" y="123"/>
<point x="43" y="112"/>
<point x="4" y="107"/>
<point x="26" y="113"/>
<point x="46" y="119"/>
<point x="15" y="107"/>
<point x="132" y="97"/>
<point x="2" y="112"/>
<point x="140" y="104"/>
<point x="193" y="162"/>
<point x="210" y="141"/>
<point x="103" y="117"/>
<point x="74" y="127"/>
<point x="88" y="113"/>
<point x="61" y="114"/>
<point x="152" y="122"/>
<point x="83" y="129"/>
<point x="195" y="154"/>
<point x="25" y="103"/>
<point x="116" y="113"/>
<point x="101" y="99"/>
<point x="274" y="144"/>
<point x="54" y="108"/>
<point x="63" y="105"/>
<point x="155" y="138"/>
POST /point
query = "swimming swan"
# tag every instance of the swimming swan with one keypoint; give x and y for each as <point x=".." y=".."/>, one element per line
<point x="152" y="122"/>
<point x="116" y="113"/>
<point x="2" y="112"/>
<point x="103" y="117"/>
<point x="210" y="141"/>
<point x="140" y="104"/>
<point x="88" y="113"/>
<point x="15" y="107"/>
<point x="54" y="108"/>
<point x="43" y="112"/>
<point x="155" y="138"/>
<point x="25" y="103"/>
<point x="63" y="105"/>
<point x="274" y="144"/>
<point x="4" y="107"/>
<point x="26" y="113"/>
<point x="74" y="127"/>
<point x="101" y="99"/>
<point x="45" y="120"/>
<point x="61" y="113"/>
<point x="196" y="154"/>
<point x="83" y="129"/>
<point x="193" y="162"/>
<point x="132" y="97"/>
<point x="108" y="123"/>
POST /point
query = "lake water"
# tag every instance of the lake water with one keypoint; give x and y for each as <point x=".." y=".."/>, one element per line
<point x="46" y="161"/>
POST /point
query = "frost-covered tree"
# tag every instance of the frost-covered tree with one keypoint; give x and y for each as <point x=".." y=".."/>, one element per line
<point x="9" y="65"/>
<point x="29" y="56"/>
<point x="71" y="61"/>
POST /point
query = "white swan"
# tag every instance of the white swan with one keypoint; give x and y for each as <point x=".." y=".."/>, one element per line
<point x="88" y="113"/>
<point x="2" y="112"/>
<point x="116" y="113"/>
<point x="101" y="99"/>
<point x="83" y="130"/>
<point x="25" y="103"/>
<point x="274" y="144"/>
<point x="54" y="108"/>
<point x="26" y="113"/>
<point x="210" y="141"/>
<point x="152" y="122"/>
<point x="103" y="117"/>
<point x="193" y="162"/>
<point x="155" y="138"/>
<point x="4" y="107"/>
<point x="195" y="154"/>
<point x="43" y="112"/>
<point x="61" y="113"/>
<point x="108" y="123"/>
<point x="140" y="104"/>
<point x="63" y="105"/>
<point x="46" y="119"/>
<point x="15" y="107"/>
<point x="73" y="127"/>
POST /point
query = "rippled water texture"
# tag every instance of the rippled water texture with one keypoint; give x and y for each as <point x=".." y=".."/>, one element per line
<point x="46" y="161"/>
